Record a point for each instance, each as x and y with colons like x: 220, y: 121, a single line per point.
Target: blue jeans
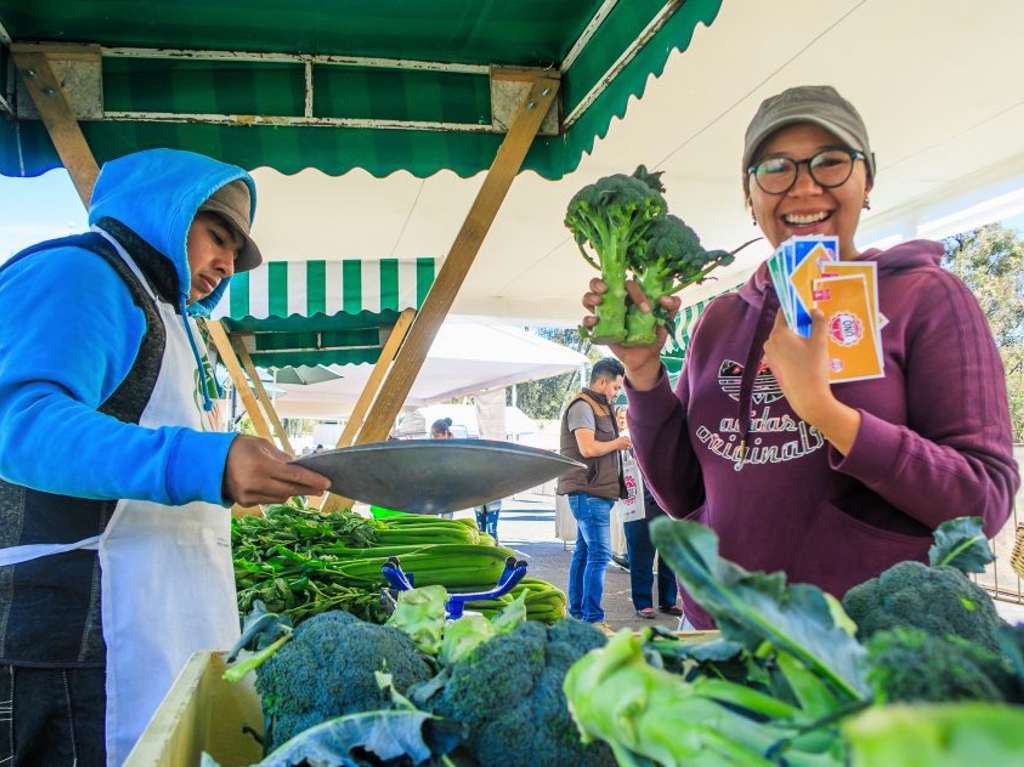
x: 487, y: 519
x: 641, y: 568
x: 591, y: 556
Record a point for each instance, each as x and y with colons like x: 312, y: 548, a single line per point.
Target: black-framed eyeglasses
x: 829, y: 168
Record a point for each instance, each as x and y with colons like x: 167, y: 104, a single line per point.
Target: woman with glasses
x: 837, y: 482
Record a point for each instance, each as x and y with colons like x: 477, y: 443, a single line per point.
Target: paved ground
x: 527, y: 524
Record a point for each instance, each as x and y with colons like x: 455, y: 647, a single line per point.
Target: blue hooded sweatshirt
x: 70, y: 335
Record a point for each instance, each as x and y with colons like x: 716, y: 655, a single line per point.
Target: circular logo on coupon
x: 845, y: 328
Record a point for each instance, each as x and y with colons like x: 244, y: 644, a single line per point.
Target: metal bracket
x: 508, y: 89
x: 79, y: 70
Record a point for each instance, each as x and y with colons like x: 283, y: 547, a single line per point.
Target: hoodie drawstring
x: 769, y: 308
x: 207, y: 402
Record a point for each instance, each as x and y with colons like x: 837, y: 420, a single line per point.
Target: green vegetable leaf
x: 463, y: 636
x: 420, y: 613
x: 943, y: 735
x: 512, y: 615
x: 753, y: 608
x: 961, y: 543
x: 386, y: 735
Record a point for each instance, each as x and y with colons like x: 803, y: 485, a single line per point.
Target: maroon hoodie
x: 934, y: 442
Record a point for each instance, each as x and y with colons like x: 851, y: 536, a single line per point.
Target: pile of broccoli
x: 933, y: 635
x: 328, y: 670
x: 509, y: 692
x: 624, y: 219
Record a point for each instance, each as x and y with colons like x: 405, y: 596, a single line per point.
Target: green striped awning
x: 322, y: 312
x: 674, y: 354
x: 339, y: 84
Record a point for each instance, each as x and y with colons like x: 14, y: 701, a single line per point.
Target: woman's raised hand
x: 642, y: 363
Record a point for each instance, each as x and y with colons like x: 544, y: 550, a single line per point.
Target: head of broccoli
x: 668, y: 258
x: 939, y: 600
x: 509, y: 692
x: 910, y: 665
x: 327, y: 670
x: 611, y: 216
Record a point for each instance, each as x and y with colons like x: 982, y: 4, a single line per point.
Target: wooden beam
x: 261, y: 394
x: 220, y: 340
x: 392, y: 345
x: 460, y: 258
x: 51, y: 101
x: 387, y: 355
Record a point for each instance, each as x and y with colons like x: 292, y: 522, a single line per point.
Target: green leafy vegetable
x: 612, y: 216
x: 754, y: 608
x: 345, y: 741
x: 961, y: 543
x: 420, y: 613
x: 946, y: 735
x: 650, y: 716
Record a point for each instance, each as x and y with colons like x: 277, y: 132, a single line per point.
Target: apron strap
x: 15, y: 555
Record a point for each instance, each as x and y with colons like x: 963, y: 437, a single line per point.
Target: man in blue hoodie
x: 115, y: 557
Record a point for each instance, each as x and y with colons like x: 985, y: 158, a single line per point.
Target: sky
x: 41, y: 208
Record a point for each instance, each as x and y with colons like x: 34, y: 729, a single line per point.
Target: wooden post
x: 387, y: 355
x: 219, y: 337
x: 460, y: 258
x: 59, y: 119
x: 261, y: 395
x: 391, y: 348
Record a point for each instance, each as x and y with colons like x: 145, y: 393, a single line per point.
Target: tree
x: 544, y: 399
x: 990, y: 261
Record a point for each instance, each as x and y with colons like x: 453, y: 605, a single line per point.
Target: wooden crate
x: 202, y: 712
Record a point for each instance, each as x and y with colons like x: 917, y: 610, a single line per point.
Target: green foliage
x: 961, y: 543
x: 650, y: 716
x: 420, y: 613
x: 939, y: 600
x: 948, y: 735
x: 990, y: 261
x: 757, y: 608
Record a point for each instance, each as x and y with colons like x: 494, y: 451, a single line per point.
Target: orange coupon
x: 870, y: 271
x: 854, y: 352
x: 818, y: 261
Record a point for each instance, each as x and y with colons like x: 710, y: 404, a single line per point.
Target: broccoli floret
x: 910, y: 665
x: 327, y: 670
x: 612, y: 216
x: 509, y: 691
x: 939, y: 600
x: 667, y: 259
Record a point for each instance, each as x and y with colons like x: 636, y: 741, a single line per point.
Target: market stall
x: 292, y: 91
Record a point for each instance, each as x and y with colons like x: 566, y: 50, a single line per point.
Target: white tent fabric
x: 466, y: 358
x: 937, y: 82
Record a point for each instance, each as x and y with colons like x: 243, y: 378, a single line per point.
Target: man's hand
x: 257, y: 472
x: 624, y: 442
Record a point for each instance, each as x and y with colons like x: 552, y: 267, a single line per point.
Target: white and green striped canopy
x: 322, y: 312
x: 308, y: 288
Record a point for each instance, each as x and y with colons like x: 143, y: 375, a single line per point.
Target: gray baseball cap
x: 234, y: 203
x: 818, y: 104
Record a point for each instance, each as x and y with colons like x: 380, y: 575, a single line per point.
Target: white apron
x: 168, y: 585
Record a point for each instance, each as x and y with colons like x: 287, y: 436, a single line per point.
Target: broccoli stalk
x: 667, y: 259
x: 612, y: 215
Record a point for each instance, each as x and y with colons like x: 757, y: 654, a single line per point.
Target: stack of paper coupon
x: 808, y: 274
